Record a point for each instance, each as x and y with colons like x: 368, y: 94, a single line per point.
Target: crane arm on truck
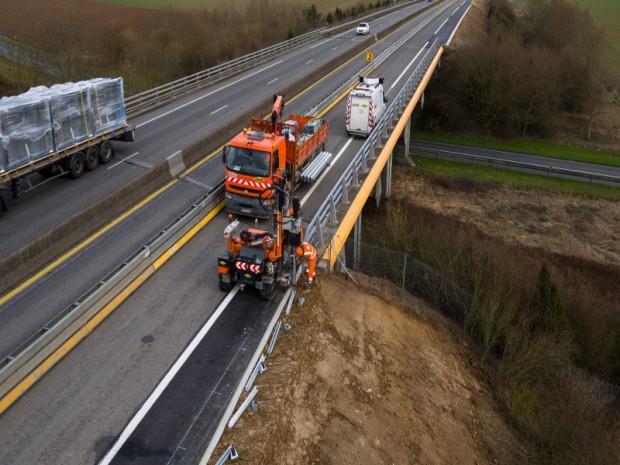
x: 276, y: 112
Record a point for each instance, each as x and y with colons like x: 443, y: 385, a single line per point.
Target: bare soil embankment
x: 360, y: 380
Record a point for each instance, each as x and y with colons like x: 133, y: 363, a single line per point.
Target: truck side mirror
x: 276, y: 160
x: 224, y: 154
x: 385, y: 99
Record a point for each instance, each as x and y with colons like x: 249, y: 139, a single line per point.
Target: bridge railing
x: 322, y: 226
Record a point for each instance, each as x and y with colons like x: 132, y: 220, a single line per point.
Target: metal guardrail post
x: 233, y: 420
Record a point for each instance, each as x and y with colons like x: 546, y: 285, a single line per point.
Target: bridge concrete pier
x: 357, y: 243
x: 383, y: 186
x: 401, y: 149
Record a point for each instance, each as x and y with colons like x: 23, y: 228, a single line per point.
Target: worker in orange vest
x: 309, y: 252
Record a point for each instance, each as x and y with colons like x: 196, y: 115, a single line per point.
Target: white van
x: 365, y: 106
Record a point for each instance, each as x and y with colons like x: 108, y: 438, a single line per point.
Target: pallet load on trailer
x: 64, y: 129
x: 365, y: 106
x: 272, y: 152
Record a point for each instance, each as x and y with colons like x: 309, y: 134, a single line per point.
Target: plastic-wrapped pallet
x: 106, y: 96
x: 3, y: 142
x: 313, y: 126
x: 25, y: 120
x: 72, y: 115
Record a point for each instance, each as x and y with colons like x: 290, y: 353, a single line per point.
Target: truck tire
x: 268, y: 292
x: 76, y: 165
x: 225, y: 287
x: 106, y: 152
x: 92, y: 158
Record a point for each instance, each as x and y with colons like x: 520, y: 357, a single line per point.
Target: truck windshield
x: 248, y: 161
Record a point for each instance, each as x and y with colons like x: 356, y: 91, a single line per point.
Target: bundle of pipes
x: 314, y: 169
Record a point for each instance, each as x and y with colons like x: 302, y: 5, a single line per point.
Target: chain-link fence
x: 409, y: 274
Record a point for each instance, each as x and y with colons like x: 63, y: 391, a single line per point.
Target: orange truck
x: 270, y: 152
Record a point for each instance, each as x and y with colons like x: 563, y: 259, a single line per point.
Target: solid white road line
x: 408, y: 66
x: 321, y: 43
x: 206, y: 402
x: 219, y: 109
x: 237, y: 394
x: 122, y: 160
x: 343, y: 33
x: 457, y: 25
x: 135, y: 421
x: 333, y: 162
x: 209, y: 94
x: 441, y: 25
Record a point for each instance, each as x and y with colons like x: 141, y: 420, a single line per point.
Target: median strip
x: 23, y: 369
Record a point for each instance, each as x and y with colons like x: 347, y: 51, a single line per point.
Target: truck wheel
x: 268, y: 292
x: 106, y: 152
x: 92, y: 158
x: 225, y: 287
x: 76, y: 165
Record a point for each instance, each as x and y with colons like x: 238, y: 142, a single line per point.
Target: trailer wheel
x: 76, y: 165
x: 92, y: 158
x: 106, y: 152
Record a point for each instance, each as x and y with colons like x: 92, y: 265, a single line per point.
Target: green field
x: 531, y: 181
x: 532, y: 147
x: 322, y: 5
x: 607, y: 14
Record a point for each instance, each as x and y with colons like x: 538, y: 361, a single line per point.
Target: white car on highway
x: 363, y: 28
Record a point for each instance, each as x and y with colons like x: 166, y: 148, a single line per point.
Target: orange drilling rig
x: 262, y: 259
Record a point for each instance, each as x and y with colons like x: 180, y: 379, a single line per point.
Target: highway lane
x: 32, y: 309
x: 522, y: 157
x: 171, y: 128
x: 75, y: 411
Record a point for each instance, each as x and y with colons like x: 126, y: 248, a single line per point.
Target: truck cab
x: 365, y: 106
x: 270, y: 152
x: 252, y: 158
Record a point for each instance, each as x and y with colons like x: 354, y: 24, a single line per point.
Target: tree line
x: 152, y: 47
x: 526, y: 72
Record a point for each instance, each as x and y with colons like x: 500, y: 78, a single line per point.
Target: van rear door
x: 359, y: 114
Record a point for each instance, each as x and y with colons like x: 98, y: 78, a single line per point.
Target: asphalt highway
x: 177, y: 125
x: 74, y: 414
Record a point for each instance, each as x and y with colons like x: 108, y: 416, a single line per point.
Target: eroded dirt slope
x: 360, y: 380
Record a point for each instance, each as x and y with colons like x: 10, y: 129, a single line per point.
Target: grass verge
x: 532, y: 147
x: 495, y: 175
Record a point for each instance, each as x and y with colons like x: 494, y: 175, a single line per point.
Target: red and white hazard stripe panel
x: 243, y: 266
x: 245, y: 183
x: 371, y: 115
x: 347, y: 118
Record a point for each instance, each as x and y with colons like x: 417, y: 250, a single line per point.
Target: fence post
x: 404, y: 272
